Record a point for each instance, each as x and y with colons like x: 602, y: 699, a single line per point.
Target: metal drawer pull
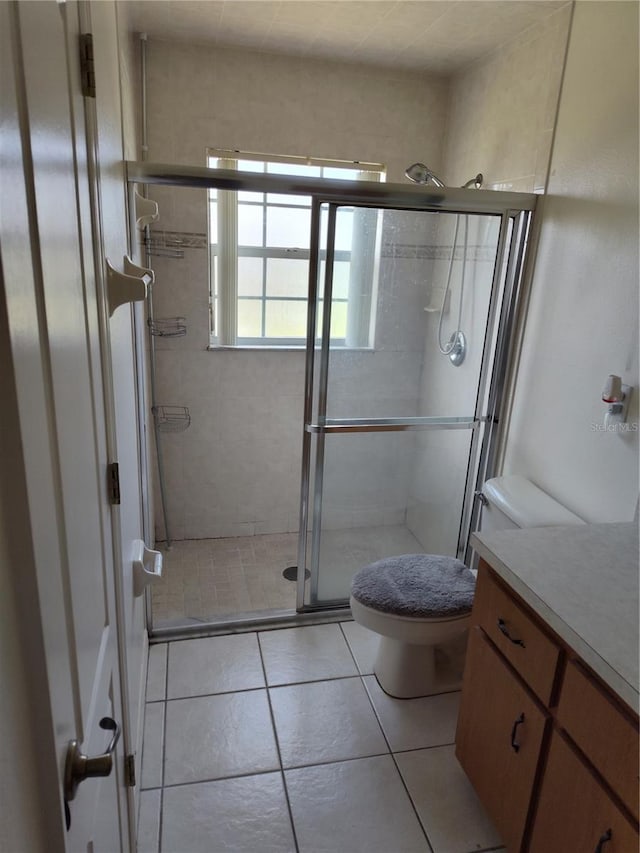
x: 514, y: 744
x: 606, y: 837
x: 502, y: 625
x: 79, y: 767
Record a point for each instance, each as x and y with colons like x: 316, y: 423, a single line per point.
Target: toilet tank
x: 513, y: 501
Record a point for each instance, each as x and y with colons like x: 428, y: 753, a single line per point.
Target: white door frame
x: 111, y: 238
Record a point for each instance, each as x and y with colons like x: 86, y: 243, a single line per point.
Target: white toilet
x: 406, y: 662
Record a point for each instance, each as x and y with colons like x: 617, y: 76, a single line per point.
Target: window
x: 259, y: 247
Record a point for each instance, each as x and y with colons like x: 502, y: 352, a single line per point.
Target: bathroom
x: 289, y: 721
x: 232, y: 478
x: 253, y: 734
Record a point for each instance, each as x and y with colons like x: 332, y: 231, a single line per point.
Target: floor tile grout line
x: 272, y: 770
x: 211, y: 779
x: 296, y: 767
x: 423, y: 748
x: 253, y: 689
x: 351, y: 652
x: 336, y: 761
x: 415, y: 809
x: 284, y: 684
x: 314, y: 681
x: 164, y: 747
x: 277, y: 740
x: 398, y: 771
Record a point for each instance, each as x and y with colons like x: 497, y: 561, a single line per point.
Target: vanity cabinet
x: 550, y: 751
x: 575, y: 812
x: 500, y: 731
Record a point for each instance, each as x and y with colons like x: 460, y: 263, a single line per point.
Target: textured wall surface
x: 583, y: 315
x: 503, y: 109
x: 236, y: 470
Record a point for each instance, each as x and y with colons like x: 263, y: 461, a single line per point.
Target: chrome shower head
x: 421, y: 174
x: 474, y: 183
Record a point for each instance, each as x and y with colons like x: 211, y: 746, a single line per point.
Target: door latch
x: 79, y: 767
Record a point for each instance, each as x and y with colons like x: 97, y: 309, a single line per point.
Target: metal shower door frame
x: 515, y: 210
x: 503, y: 303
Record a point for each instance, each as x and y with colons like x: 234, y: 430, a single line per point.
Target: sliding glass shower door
x: 404, y: 357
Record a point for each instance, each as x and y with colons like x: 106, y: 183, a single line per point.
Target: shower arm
x: 421, y: 174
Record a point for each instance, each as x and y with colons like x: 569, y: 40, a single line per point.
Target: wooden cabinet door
x: 574, y: 812
x: 605, y: 735
x: 518, y: 636
x: 500, y: 730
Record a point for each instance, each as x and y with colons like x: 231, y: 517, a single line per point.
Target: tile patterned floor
x: 205, y: 579
x: 282, y: 742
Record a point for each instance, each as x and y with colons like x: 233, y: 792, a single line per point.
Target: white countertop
x: 583, y: 582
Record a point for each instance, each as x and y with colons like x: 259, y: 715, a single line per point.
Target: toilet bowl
x: 406, y: 663
x: 415, y: 602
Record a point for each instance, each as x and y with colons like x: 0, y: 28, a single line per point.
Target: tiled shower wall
x: 501, y: 117
x: 236, y: 470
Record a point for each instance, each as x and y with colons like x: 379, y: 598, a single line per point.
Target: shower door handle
x: 79, y: 766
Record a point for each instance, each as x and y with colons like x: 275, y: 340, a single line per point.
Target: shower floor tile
x: 208, y: 579
x: 205, y: 579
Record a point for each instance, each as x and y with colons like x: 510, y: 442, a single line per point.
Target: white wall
x: 231, y: 98
x: 503, y: 107
x: 583, y: 316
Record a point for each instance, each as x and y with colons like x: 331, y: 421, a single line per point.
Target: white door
x: 110, y: 239
x: 53, y: 314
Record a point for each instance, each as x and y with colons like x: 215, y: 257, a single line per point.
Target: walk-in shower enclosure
x: 394, y: 438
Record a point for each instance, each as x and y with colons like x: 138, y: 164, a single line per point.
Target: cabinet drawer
x: 603, y: 733
x: 520, y: 639
x: 574, y: 812
x: 498, y: 740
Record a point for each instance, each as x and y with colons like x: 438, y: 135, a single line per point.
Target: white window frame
x: 227, y: 252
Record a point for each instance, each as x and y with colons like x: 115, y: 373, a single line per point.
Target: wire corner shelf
x: 168, y: 327
x: 172, y: 418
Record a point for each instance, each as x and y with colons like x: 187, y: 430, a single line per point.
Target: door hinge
x: 130, y: 771
x: 113, y: 483
x: 87, y: 67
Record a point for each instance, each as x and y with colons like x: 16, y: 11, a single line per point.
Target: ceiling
x: 440, y: 36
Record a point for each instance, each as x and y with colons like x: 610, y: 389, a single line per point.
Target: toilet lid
x: 420, y: 585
